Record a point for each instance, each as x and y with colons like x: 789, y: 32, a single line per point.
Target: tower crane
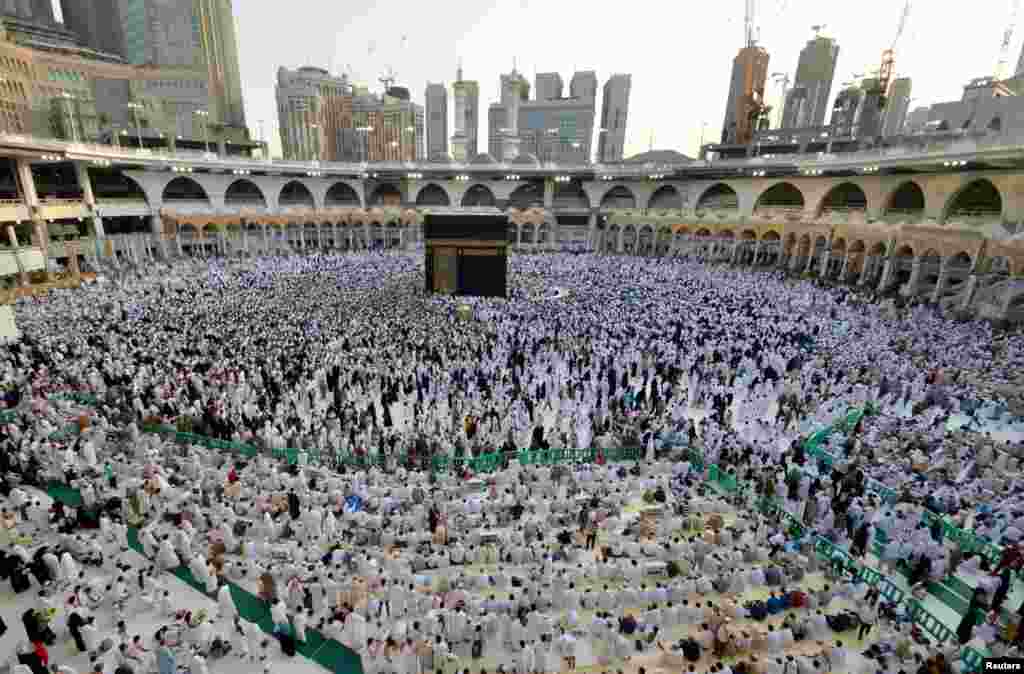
x: 751, y: 108
x: 1004, y: 46
x: 885, y: 71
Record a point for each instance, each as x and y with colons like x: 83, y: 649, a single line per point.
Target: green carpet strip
x: 327, y: 653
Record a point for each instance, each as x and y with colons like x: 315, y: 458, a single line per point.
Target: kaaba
x: 466, y: 253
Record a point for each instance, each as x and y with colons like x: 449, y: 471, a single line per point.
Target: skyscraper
x: 503, y: 117
x: 38, y: 11
x: 614, y: 108
x: 466, y: 100
x: 436, y: 99
x: 896, y: 108
x: 396, y: 126
x: 97, y: 23
x: 584, y: 85
x: 749, y: 72
x: 549, y: 86
x: 195, y: 34
x: 806, y: 103
x: 314, y: 111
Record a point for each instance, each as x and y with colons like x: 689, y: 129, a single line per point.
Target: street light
x: 205, y: 114
x: 135, y: 107
x: 71, y: 114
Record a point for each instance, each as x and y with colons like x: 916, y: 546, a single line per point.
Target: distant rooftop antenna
x: 817, y: 29
x: 458, y: 71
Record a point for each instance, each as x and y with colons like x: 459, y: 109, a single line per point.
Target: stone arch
x: 385, y: 194
x: 432, y: 194
x: 295, y: 193
x: 478, y: 195
x: 244, y: 192
x: 112, y: 184
x: 904, y: 250
x: 527, y: 195
x: 855, y: 258
x: 961, y: 259
x: 780, y: 195
x: 789, y: 244
x: 666, y: 196
x: 903, y: 263
x: 908, y: 197
x: 618, y: 196
x: 844, y: 197
x: 717, y: 197
x: 183, y: 188
x: 341, y: 194
x: 570, y: 195
x: 803, y: 246
x: 977, y: 198
x: 930, y: 262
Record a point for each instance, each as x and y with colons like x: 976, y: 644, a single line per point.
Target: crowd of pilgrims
x: 346, y: 353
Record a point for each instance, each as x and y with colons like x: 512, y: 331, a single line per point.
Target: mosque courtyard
x: 624, y: 458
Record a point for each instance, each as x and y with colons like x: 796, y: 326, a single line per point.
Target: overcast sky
x: 679, y: 53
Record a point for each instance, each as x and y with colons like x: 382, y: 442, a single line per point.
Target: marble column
x: 12, y: 238
x: 887, y: 271
x: 943, y: 281
x: 910, y: 289
x: 867, y: 269
x: 969, y: 292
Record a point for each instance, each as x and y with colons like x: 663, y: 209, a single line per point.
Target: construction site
x: 870, y: 110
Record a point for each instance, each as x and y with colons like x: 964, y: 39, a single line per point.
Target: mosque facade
x: 941, y: 224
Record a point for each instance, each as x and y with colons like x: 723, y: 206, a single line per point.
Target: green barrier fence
x: 971, y: 658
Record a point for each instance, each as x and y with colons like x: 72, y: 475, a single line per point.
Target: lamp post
x: 135, y: 107
x: 71, y: 114
x: 205, y: 114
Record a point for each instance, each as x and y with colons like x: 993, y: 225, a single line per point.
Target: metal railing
x: 955, y: 146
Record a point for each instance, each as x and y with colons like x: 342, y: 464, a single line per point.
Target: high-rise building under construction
x: 807, y: 102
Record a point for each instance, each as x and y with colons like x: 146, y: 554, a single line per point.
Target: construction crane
x: 1004, y: 46
x: 750, y: 107
x: 749, y: 31
x: 880, y: 89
